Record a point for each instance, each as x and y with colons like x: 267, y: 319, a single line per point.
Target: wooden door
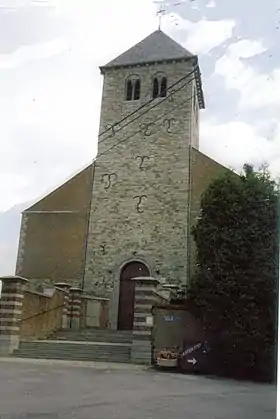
x: 126, y: 298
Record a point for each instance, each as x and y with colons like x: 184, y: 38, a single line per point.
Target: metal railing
x: 42, y: 312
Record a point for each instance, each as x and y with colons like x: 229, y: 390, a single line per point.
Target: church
x: 130, y: 212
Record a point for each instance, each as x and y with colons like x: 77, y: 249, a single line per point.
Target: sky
x: 51, y: 86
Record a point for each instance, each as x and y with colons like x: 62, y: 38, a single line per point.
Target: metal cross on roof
x: 160, y: 13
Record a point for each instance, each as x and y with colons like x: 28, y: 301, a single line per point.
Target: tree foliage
x: 236, y: 284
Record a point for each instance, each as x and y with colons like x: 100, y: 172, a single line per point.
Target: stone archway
x: 126, y: 295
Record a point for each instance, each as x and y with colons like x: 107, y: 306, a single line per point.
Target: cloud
x: 48, y: 132
x: 246, y: 48
x: 237, y: 142
x: 257, y: 90
x: 100, y: 41
x: 204, y: 35
x: 27, y: 53
x: 11, y: 187
x: 27, y: 25
x: 212, y: 4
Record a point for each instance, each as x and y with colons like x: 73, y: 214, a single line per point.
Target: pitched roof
x: 154, y: 48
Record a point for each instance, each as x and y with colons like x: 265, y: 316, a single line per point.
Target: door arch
x: 126, y: 296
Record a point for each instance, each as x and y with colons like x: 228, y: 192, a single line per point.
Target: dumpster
x: 178, y: 340
x: 195, y: 357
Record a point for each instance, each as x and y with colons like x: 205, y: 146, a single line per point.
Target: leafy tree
x: 236, y: 284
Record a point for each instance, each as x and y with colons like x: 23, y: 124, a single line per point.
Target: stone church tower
x: 138, y: 224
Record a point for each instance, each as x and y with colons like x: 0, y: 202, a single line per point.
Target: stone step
x: 93, y: 339
x: 74, y: 346
x: 74, y: 357
x: 96, y: 330
x: 73, y: 351
x: 93, y: 335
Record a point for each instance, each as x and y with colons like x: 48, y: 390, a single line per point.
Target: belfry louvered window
x: 159, y: 86
x: 133, y: 88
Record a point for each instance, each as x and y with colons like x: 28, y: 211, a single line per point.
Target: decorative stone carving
x: 168, y: 123
x: 107, y: 179
x: 139, y: 203
x: 142, y: 160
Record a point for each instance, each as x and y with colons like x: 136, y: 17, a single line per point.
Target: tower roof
x: 154, y: 48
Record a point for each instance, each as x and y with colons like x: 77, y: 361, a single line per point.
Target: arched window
x: 163, y: 87
x: 133, y: 88
x: 137, y: 89
x: 129, y: 90
x: 155, y: 88
x: 159, y: 85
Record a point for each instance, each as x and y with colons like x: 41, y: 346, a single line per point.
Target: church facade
x: 130, y: 213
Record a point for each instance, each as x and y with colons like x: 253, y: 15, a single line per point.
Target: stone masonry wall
x: 140, y: 212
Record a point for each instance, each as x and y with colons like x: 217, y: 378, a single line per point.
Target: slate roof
x: 154, y: 48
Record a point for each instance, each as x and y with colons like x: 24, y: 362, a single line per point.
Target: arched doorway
x: 126, y: 296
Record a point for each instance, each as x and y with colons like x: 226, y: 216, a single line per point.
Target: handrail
x: 42, y: 312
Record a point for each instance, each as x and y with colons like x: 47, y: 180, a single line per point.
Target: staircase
x: 80, y: 345
x: 91, y: 334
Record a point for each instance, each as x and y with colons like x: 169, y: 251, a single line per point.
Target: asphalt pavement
x: 57, y: 389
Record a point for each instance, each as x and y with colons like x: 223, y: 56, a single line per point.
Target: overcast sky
x: 50, y: 86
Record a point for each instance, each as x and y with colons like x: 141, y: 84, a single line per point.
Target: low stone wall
x: 41, y: 314
x: 27, y: 314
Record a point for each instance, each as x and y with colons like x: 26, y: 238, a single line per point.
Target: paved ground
x: 53, y: 389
